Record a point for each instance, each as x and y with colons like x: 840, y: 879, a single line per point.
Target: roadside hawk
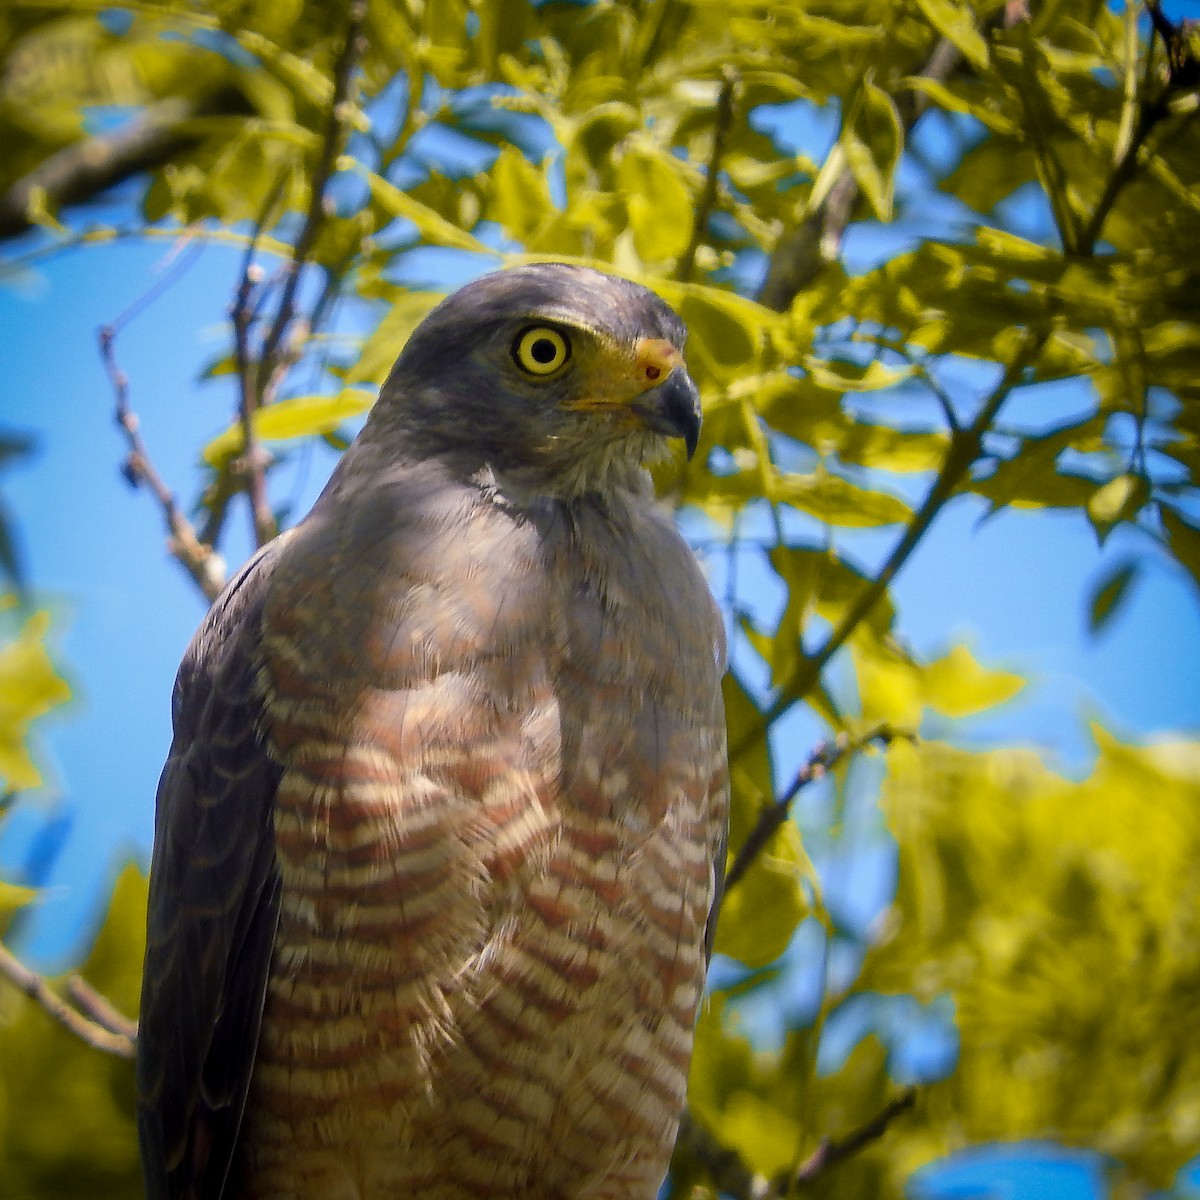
x: 440, y: 830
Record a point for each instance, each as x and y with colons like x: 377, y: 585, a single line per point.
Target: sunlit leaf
x: 30, y: 687
x: 12, y: 898
x: 659, y: 204
x: 958, y: 685
x: 298, y: 416
x: 433, y: 227
x: 872, y: 140
x: 955, y: 21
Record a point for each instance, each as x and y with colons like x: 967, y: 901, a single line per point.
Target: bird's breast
x: 495, y: 832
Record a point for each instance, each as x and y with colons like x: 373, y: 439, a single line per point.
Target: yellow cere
x: 612, y: 380
x: 541, y: 350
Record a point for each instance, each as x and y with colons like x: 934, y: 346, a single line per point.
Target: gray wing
x: 214, y: 905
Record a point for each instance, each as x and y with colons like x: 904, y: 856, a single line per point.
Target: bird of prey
x: 441, y: 826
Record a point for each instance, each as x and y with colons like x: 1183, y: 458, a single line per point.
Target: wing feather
x: 214, y: 905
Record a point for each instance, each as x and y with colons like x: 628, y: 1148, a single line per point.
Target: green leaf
x: 1003, y: 864
x: 520, y: 199
x: 764, y: 1135
x: 759, y: 915
x: 13, y: 897
x: 957, y: 685
x: 955, y: 21
x: 884, y: 449
x: 381, y: 349
x: 54, y: 1080
x: 872, y: 140
x: 975, y: 101
x: 1184, y: 540
x: 726, y: 331
x: 1117, y: 500
x: 30, y: 687
x: 299, y: 416
x: 842, y: 376
x: 431, y: 226
x: 838, y: 502
x: 1109, y: 595
x: 658, y: 203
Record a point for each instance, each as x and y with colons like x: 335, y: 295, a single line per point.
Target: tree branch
x: 100, y: 1009
x: 83, y: 170
x: 199, y: 560
x: 96, y: 1034
x: 836, y: 1150
x: 801, y: 252
x: 708, y: 196
x: 823, y: 759
x: 1182, y: 72
x: 965, y: 446
x: 725, y: 1168
x: 732, y: 1177
x: 252, y: 462
x: 343, y: 73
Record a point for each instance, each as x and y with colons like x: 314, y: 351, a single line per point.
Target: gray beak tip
x: 673, y: 409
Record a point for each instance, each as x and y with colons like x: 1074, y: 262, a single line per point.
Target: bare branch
x: 94, y: 1033
x: 198, y: 559
x: 801, y: 252
x: 252, y: 463
x: 823, y: 759
x: 100, y: 1009
x: 836, y: 1150
x: 343, y: 74
x: 708, y: 197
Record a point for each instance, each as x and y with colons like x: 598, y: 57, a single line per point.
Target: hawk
x: 441, y: 827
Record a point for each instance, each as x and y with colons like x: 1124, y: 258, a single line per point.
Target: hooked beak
x: 672, y: 408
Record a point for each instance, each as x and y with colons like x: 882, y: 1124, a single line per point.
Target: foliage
x: 66, y: 1110
x: 1058, y: 920
x: 30, y: 687
x: 1006, y: 201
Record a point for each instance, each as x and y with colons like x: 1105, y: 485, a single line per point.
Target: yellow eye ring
x: 541, y: 350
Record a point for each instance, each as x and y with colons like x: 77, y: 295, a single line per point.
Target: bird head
x: 561, y: 377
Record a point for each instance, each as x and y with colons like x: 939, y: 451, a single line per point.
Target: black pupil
x: 543, y: 351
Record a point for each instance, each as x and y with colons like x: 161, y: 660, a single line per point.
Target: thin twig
x: 100, y: 1009
x: 343, y: 73
x: 712, y: 177
x: 836, y: 1150
x: 252, y: 462
x: 201, y: 563
x: 1149, y: 115
x: 37, y: 989
x: 732, y: 1177
x: 823, y: 759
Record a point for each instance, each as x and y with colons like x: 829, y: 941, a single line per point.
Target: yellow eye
x: 541, y: 350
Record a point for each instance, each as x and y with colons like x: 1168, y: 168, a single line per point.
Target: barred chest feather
x: 502, y: 796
